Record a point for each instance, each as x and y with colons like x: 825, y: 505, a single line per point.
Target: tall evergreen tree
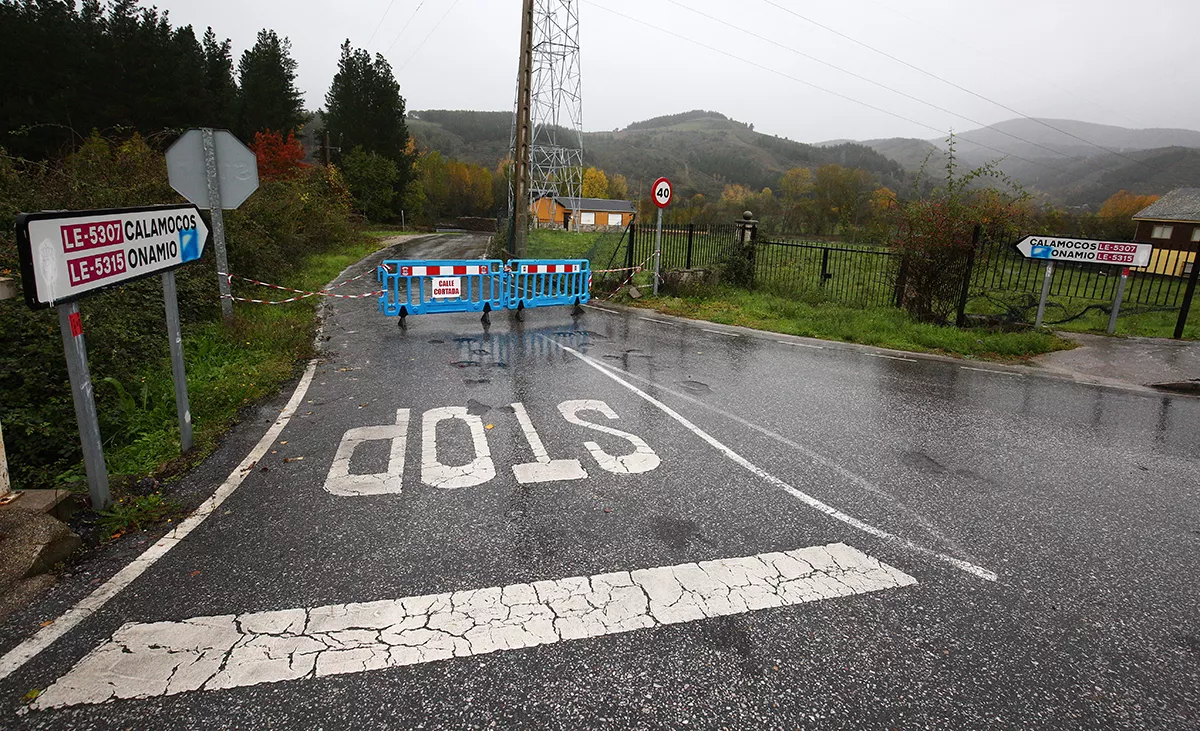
x: 364, y: 108
x: 221, y: 93
x: 269, y: 98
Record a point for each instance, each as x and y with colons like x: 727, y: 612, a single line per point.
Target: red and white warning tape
x: 628, y: 279
x: 304, y: 294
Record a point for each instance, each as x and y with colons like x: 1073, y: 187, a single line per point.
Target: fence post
x: 961, y: 320
x: 824, y: 266
x: 629, y: 248
x: 747, y: 236
x: 691, y: 228
x: 1188, y: 294
x: 901, y: 281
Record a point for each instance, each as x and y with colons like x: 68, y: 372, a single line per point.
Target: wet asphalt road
x: 1082, y: 501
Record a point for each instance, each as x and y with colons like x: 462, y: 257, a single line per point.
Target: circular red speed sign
x: 662, y: 192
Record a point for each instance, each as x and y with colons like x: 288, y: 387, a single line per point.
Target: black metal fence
x: 1000, y: 269
x: 867, y: 275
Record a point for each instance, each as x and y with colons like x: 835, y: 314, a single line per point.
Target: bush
x: 372, y: 179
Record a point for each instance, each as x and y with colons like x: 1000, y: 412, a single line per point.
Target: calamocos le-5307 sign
x: 67, y: 254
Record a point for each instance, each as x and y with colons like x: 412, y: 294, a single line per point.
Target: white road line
x: 988, y: 370
x: 42, y: 639
x: 660, y: 322
x: 800, y: 345
x: 603, y: 309
x: 231, y: 651
x: 890, y: 357
x: 804, y: 497
x: 542, y: 469
x: 815, y: 456
x: 721, y: 332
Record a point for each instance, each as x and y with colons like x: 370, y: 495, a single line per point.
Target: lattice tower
x: 556, y: 106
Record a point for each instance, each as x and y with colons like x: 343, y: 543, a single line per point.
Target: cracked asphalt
x: 626, y: 520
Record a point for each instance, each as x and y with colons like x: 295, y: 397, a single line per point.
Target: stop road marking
x: 480, y: 468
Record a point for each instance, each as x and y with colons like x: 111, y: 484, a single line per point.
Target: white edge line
x: 89, y: 605
x: 721, y: 332
x: 832, y: 512
x: 660, y: 322
x: 800, y: 345
x: 603, y: 309
x: 987, y: 370
x: 890, y: 357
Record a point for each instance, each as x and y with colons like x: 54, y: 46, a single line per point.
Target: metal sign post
x: 661, y: 194
x: 178, y: 372
x: 1041, y: 313
x: 71, y: 325
x: 213, y: 184
x: 1112, y: 319
x: 214, y: 170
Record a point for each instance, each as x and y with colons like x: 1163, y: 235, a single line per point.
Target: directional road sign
x: 662, y: 192
x: 1085, y: 250
x: 67, y: 254
x: 237, y: 168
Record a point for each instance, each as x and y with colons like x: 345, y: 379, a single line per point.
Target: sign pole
x: 1041, y: 313
x: 1112, y: 319
x: 212, y: 177
x: 85, y: 404
x: 178, y: 371
x: 657, y: 250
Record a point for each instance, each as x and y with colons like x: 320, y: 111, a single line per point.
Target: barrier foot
x: 486, y: 319
x: 403, y: 322
x: 577, y: 310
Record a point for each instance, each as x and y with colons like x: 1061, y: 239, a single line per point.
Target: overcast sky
x: 1132, y: 64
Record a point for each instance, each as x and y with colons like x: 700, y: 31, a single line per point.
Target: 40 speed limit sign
x: 662, y: 192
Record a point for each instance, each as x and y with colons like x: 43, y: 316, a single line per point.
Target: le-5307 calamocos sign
x: 67, y: 254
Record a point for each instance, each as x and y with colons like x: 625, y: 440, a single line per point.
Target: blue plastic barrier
x: 418, y: 287
x: 544, y: 282
x: 410, y: 286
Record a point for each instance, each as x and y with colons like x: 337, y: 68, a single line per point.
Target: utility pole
x: 523, y: 133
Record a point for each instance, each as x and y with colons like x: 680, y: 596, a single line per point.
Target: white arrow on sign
x: 1088, y: 251
x: 69, y: 254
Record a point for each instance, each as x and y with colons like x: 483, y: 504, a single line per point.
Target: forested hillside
x: 702, y: 152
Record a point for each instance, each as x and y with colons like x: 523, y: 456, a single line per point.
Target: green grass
x: 596, y: 246
x: 881, y: 326
x: 228, y: 368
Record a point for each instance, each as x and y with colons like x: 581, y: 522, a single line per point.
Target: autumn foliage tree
x: 278, y: 157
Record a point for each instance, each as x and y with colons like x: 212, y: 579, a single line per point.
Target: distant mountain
x: 1058, y: 138
x: 1058, y: 168
x: 701, y: 151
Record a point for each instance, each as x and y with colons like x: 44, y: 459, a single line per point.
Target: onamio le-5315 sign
x: 67, y: 254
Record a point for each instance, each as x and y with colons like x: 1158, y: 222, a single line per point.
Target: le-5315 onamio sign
x: 1087, y: 251
x: 66, y: 254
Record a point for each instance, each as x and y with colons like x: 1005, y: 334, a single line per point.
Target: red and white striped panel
x: 442, y: 271
x: 549, y: 268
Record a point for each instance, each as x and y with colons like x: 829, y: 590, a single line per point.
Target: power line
x: 869, y: 80
x: 380, y: 23
x: 798, y: 80
x: 944, y: 33
x: 405, y: 26
x: 427, y: 36
x: 932, y: 75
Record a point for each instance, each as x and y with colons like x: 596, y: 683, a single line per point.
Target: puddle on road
x: 477, y: 408
x: 480, y: 351
x: 435, y: 341
x: 585, y: 333
x: 476, y: 381
x: 695, y: 387
x: 478, y: 364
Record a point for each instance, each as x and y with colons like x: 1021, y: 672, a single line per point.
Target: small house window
x: 1196, y: 234
x: 1162, y: 232
x: 614, y: 219
x: 587, y: 218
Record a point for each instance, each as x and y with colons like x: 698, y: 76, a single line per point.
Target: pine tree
x: 269, y: 98
x: 364, y: 108
x: 221, y: 93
